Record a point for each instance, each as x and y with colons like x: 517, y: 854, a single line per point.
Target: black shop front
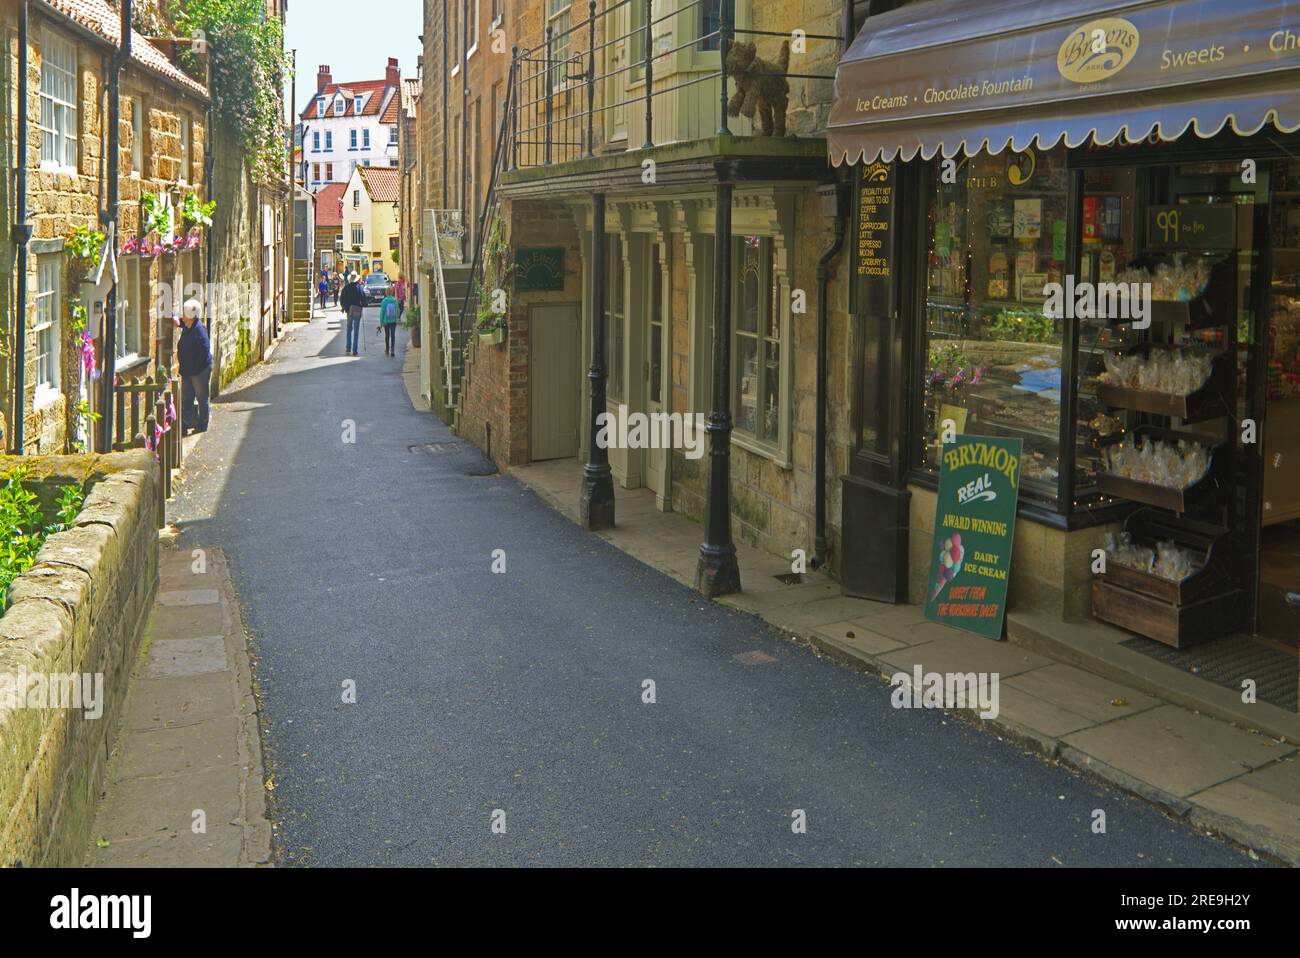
x: 1002, y: 152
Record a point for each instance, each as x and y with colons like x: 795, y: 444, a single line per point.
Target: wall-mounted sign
x: 1192, y: 226
x: 539, y: 269
x: 875, y: 219
x: 974, y: 525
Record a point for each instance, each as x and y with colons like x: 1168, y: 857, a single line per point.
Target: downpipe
x: 824, y: 273
x: 22, y: 233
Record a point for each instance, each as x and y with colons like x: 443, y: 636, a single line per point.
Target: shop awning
x: 964, y: 75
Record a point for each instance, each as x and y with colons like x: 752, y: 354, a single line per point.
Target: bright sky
x: 355, y: 38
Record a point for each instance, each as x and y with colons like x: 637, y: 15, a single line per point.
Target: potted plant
x: 491, y: 329
x: 411, y: 320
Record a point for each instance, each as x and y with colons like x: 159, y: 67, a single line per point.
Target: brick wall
x: 80, y: 609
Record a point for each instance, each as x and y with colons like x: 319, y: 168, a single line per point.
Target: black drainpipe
x: 22, y: 231
x: 107, y: 395
x: 820, y: 547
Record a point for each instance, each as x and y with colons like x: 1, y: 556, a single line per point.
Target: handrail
x: 440, y: 294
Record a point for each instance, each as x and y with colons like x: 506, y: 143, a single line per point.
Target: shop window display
x: 997, y: 229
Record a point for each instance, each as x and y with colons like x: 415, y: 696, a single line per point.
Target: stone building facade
x: 163, y: 143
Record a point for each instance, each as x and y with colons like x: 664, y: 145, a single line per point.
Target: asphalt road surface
x: 516, y: 699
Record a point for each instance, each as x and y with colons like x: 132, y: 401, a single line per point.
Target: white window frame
x: 315, y: 141
x: 352, y: 140
x: 321, y: 107
x: 137, y: 137
x: 558, y: 15
x: 473, y: 30
x: 340, y: 106
x: 58, y: 98
x: 128, y: 310
x: 358, y: 235
x: 365, y: 138
x: 47, y: 331
x: 356, y: 199
x: 776, y: 291
x: 392, y: 136
x: 329, y: 141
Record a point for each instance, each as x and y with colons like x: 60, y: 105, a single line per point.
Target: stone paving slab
x: 1082, y: 693
x: 190, y: 739
x: 966, y: 653
x: 1270, y: 805
x: 1176, y: 750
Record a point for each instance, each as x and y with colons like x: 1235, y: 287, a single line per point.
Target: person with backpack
x: 353, y: 301
x: 389, y: 313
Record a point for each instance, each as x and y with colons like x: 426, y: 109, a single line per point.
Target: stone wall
x: 80, y: 610
x: 235, y: 257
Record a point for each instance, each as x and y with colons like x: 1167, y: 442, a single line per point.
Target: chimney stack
x: 393, y: 76
x: 323, y: 77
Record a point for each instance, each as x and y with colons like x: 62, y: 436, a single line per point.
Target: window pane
x: 745, y: 400
x: 996, y: 237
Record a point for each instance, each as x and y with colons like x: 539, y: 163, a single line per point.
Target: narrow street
x: 371, y: 563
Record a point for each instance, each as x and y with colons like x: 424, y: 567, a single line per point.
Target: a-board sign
x: 974, y: 526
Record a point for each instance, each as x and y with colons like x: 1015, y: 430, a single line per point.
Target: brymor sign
x: 974, y: 524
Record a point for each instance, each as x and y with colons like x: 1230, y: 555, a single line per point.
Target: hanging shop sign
x: 875, y: 219
x: 539, y: 269
x: 974, y: 525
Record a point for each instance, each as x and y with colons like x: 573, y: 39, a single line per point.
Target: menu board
x: 974, y: 525
x: 1192, y: 226
x: 875, y: 220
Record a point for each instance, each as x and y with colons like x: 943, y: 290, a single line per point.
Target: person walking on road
x: 399, y: 289
x: 195, y: 356
x: 389, y: 312
x: 323, y: 288
x: 353, y: 299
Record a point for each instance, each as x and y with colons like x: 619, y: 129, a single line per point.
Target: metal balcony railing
x: 560, y: 94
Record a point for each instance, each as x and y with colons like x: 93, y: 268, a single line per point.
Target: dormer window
x: 359, y: 104
x: 320, y: 108
x: 340, y: 106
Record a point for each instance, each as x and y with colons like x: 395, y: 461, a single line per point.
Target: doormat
x: 1228, y: 661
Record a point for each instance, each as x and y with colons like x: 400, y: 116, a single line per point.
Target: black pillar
x: 596, y: 505
x: 717, y: 572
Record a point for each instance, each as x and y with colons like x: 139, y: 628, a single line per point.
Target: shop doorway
x: 554, y: 381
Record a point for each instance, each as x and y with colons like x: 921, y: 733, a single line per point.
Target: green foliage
x: 83, y: 248
x: 1023, y: 326
x: 397, y: 257
x: 496, y: 275
x: 411, y: 318
x: 195, y: 213
x: 153, y: 214
x: 23, y: 526
x: 249, y: 68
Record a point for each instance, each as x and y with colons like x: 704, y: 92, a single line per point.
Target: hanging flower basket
x: 152, y: 245
x: 492, y: 337
x: 194, y: 238
x: 130, y: 247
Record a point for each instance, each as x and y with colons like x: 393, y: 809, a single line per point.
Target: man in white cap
x: 353, y: 302
x: 194, y: 353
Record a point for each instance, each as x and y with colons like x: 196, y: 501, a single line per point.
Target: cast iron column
x: 717, y: 572
x: 596, y: 504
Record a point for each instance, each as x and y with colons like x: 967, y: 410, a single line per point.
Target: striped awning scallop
x: 952, y: 76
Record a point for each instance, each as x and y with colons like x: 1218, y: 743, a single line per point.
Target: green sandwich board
x: 974, y: 525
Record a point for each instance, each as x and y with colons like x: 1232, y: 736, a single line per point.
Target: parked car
x: 377, y: 287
